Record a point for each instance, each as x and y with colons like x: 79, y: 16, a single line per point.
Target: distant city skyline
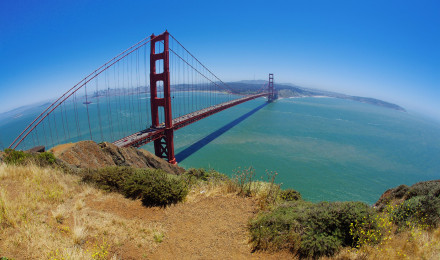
x: 380, y: 49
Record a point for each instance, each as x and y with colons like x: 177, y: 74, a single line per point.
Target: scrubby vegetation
x: 418, y: 204
x: 23, y: 158
x: 308, y: 229
x: 154, y: 187
x: 353, y: 229
x: 290, y: 195
x: 403, y: 224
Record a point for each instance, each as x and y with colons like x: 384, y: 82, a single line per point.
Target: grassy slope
x: 45, y: 213
x: 48, y: 214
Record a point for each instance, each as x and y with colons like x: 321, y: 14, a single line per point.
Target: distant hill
x: 290, y: 90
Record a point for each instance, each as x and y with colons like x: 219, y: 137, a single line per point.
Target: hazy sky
x: 383, y: 49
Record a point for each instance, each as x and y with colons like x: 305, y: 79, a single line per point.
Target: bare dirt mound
x: 88, y: 154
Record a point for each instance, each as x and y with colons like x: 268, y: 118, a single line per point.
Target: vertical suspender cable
x: 87, y: 109
x: 67, y: 119
x: 62, y: 120
x: 99, y: 109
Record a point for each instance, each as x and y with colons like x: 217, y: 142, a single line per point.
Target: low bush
x: 422, y: 211
x: 153, y: 187
x: 198, y: 176
x: 108, y: 178
x: 424, y: 188
x: 156, y: 188
x: 45, y: 158
x: 15, y: 157
x: 290, y: 195
x: 23, y: 158
x: 308, y: 229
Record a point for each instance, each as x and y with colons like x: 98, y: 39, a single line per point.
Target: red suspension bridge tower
x: 164, y: 146
x: 272, y: 94
x: 113, y: 101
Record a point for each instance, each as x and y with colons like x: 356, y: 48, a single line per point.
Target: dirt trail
x: 205, y: 227
x: 210, y: 228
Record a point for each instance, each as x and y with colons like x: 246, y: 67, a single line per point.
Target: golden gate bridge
x: 115, y: 102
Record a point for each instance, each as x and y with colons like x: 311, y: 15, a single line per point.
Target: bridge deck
x: 150, y: 134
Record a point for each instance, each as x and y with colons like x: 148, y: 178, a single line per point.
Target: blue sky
x: 383, y: 49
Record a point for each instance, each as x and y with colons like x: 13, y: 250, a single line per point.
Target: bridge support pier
x: 164, y: 146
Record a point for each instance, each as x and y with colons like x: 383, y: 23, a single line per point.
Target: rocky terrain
x: 88, y: 154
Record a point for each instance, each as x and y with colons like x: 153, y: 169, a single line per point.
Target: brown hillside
x: 88, y: 154
x: 47, y: 214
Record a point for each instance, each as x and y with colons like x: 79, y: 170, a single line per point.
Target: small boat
x: 87, y: 102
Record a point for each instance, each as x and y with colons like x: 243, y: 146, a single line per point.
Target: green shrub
x: 423, y: 188
x: 314, y: 245
x: 134, y: 184
x: 15, y: 157
x: 45, y: 159
x: 423, y: 211
x: 109, y: 178
x: 23, y: 158
x: 199, y: 174
x: 290, y: 195
x: 157, y: 188
x: 308, y: 229
x: 153, y: 187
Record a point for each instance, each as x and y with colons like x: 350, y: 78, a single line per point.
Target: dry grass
x: 263, y: 192
x: 414, y: 241
x: 60, y: 214
x: 44, y: 214
x: 80, y: 204
x: 211, y: 188
x: 412, y: 244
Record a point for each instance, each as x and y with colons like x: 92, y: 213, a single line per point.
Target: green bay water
x: 328, y: 149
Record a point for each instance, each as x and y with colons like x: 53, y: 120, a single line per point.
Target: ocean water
x: 328, y: 149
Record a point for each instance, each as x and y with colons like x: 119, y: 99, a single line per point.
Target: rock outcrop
x: 88, y: 154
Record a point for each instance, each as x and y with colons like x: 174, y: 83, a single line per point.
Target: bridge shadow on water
x: 182, y: 155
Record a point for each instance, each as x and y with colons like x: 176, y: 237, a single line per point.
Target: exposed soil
x: 57, y: 150
x: 205, y: 228
x: 211, y: 228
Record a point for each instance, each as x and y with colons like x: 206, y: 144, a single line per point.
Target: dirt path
x: 209, y: 228
x: 204, y: 227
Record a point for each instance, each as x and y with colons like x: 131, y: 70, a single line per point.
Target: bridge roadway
x: 150, y: 134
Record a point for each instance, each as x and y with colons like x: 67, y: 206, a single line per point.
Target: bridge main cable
x: 226, y: 85
x: 75, y: 88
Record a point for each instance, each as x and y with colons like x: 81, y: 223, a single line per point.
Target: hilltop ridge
x: 90, y: 155
x: 286, y: 90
